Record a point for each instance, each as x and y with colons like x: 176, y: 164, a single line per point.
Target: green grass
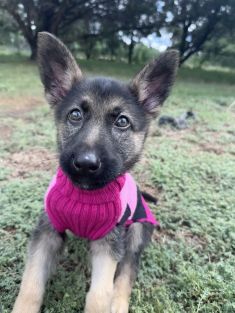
x: 190, y: 267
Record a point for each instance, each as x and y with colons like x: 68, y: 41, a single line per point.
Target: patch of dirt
x: 17, y: 106
x: 211, y: 148
x: 5, y: 132
x: 214, y: 146
x: 156, y: 131
x: 155, y: 192
x: 163, y: 236
x: 25, y: 162
x: 191, y: 239
x: 9, y: 229
x: 178, y: 134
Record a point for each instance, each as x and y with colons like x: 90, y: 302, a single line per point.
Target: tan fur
x: 138, y: 140
x: 99, y: 297
x: 41, y: 260
x: 61, y: 129
x: 124, y: 281
x: 93, y: 136
x: 109, y: 104
x: 32, y: 287
x: 136, y: 235
x: 122, y: 291
x: 140, y: 84
x: 87, y: 99
x: 114, y: 102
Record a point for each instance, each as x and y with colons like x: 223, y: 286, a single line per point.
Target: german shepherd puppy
x: 114, y: 121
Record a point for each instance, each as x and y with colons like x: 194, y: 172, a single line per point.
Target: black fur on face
x: 102, y: 104
x: 101, y: 123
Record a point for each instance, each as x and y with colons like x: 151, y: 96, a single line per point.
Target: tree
x: 194, y: 22
x: 33, y: 16
x: 7, y: 28
x: 138, y: 19
x: 110, y: 25
x: 220, y: 50
x: 111, y: 22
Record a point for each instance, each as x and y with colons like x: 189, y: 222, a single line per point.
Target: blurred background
x: 189, y: 158
x: 131, y: 31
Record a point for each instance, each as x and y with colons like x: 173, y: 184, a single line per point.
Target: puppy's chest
x: 93, y: 214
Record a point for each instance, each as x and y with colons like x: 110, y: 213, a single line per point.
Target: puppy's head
x: 101, y: 123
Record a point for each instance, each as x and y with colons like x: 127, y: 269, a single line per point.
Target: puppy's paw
x: 120, y: 304
x: 98, y: 302
x: 26, y: 306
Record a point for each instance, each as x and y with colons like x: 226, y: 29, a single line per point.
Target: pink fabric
x: 92, y: 214
x: 129, y: 188
x: 149, y: 215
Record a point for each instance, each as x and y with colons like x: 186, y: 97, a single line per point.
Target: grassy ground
x: 190, y: 266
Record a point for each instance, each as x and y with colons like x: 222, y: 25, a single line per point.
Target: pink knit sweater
x: 92, y: 214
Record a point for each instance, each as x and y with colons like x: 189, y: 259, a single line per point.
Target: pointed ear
x: 58, y: 69
x: 153, y: 83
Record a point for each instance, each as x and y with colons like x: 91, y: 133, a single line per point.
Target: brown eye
x: 122, y: 122
x: 75, y: 115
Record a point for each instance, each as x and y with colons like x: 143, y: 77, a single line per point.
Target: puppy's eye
x: 122, y: 122
x: 75, y: 115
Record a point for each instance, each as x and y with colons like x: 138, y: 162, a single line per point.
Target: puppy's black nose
x: 87, y: 162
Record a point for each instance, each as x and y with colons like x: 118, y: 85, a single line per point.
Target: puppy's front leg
x: 44, y: 249
x: 105, y: 254
x: 138, y: 236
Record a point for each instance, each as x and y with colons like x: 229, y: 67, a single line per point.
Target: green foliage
x: 219, y: 51
x: 193, y: 23
x: 143, y: 54
x: 190, y: 265
x: 106, y: 28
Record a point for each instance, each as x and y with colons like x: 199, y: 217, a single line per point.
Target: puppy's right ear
x: 153, y: 83
x: 58, y: 68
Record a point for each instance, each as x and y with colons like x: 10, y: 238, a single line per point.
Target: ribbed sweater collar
x: 108, y: 193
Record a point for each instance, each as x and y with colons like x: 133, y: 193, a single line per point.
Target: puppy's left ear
x: 153, y: 83
x: 58, y: 68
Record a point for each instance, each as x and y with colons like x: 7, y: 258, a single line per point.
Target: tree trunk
x: 131, y: 50
x: 33, y: 47
x: 89, y: 47
x: 88, y: 55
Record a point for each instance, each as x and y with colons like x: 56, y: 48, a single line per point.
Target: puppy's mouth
x: 90, y: 182
x: 89, y: 185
